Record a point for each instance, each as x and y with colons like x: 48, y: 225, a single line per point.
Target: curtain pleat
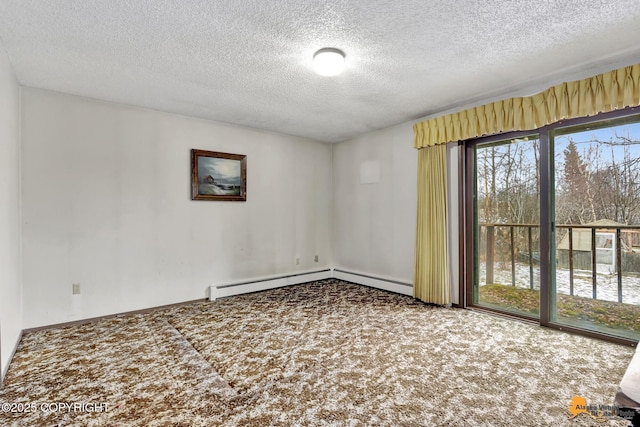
x: 432, y: 281
x: 605, y: 92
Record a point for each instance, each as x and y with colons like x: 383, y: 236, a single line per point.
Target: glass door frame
x: 468, y: 224
x: 471, y: 223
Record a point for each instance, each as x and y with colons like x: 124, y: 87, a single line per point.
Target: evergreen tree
x: 578, y: 200
x: 574, y: 170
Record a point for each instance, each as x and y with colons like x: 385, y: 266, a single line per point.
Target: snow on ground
x: 606, y: 284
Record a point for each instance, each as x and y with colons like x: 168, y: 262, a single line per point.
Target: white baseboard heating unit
x: 227, y: 290
x: 375, y: 282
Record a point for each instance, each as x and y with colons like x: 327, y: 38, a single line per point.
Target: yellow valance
x: 605, y: 92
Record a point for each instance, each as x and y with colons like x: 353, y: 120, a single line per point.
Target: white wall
x: 106, y: 204
x: 10, y: 289
x: 374, y: 223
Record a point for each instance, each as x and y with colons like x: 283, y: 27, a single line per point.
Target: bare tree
x: 596, y: 186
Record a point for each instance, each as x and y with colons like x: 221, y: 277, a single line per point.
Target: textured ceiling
x: 248, y: 62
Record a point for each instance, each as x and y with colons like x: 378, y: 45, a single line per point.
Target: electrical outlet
x: 75, y: 289
x: 297, y: 261
x: 315, y: 258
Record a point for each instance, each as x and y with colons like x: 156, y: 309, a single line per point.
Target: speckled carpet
x: 327, y: 353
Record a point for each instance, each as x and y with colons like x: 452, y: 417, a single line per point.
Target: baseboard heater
x: 375, y: 282
x: 227, y: 290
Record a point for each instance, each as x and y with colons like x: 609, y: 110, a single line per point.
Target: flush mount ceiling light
x: 328, y: 61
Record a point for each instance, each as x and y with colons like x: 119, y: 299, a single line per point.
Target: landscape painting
x: 218, y: 176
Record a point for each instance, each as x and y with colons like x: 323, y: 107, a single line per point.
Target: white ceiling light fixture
x: 328, y: 61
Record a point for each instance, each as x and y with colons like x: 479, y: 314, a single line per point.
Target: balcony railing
x: 572, y: 248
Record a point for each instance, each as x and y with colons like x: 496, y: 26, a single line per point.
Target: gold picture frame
x: 218, y: 176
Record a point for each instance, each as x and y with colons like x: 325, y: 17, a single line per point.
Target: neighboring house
x: 605, y: 246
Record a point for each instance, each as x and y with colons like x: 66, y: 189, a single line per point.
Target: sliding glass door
x: 597, y: 217
x: 553, y: 225
x: 506, y: 226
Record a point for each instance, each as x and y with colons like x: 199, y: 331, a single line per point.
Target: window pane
x: 597, y: 217
x: 507, y: 226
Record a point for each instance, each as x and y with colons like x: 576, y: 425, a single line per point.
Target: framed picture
x: 218, y: 176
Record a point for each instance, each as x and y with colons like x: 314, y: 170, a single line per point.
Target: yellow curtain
x: 605, y: 92
x: 432, y: 281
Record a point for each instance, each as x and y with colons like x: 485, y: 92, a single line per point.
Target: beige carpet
x: 327, y: 353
